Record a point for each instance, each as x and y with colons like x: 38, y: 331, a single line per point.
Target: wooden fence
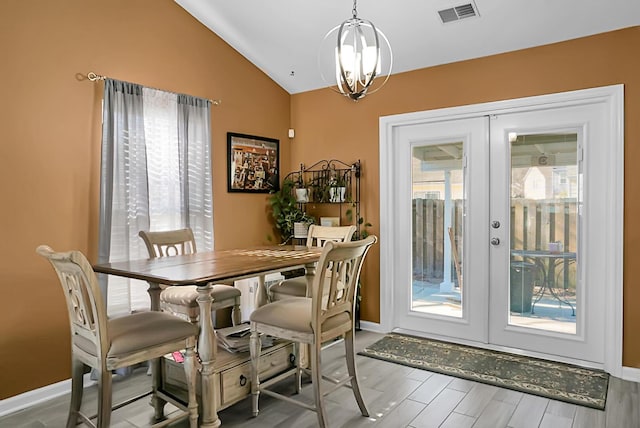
x: 534, y: 224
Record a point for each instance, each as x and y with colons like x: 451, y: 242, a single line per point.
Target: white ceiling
x: 283, y: 36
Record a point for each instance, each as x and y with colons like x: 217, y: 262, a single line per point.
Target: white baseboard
x: 631, y: 374
x: 37, y: 396
x: 371, y: 326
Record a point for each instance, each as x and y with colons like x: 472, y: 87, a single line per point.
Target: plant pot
x: 300, y: 230
x: 337, y: 194
x: 302, y: 195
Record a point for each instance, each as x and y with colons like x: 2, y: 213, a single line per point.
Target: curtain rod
x: 95, y: 77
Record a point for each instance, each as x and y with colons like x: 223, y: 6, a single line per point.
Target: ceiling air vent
x: 457, y: 13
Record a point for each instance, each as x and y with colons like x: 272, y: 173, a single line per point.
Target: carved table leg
x: 207, y: 351
x: 310, y: 271
x: 156, y: 363
x: 154, y: 291
x: 261, y: 293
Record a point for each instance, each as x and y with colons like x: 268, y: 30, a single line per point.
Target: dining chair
x: 326, y: 315
x: 317, y: 236
x: 109, y: 344
x: 181, y: 300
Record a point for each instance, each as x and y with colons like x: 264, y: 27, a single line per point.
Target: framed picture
x: 253, y: 163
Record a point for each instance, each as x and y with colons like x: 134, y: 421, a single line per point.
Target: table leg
x: 540, y: 294
x: 261, y: 298
x: 207, y: 351
x: 154, y: 291
x: 310, y: 271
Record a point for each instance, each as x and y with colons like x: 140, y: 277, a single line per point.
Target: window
x: 155, y: 175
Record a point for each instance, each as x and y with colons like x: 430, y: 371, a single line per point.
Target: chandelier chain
x: 354, y: 11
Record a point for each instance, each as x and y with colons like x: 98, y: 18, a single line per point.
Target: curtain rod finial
x: 93, y: 76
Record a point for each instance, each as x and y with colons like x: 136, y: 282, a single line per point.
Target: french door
x: 443, y: 177
x: 497, y: 233
x: 547, y: 287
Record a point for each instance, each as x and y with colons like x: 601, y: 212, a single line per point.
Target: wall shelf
x: 323, y: 182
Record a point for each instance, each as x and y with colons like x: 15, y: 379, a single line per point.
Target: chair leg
x: 316, y: 379
x: 77, y: 372
x: 235, y: 313
x: 156, y: 384
x: 351, y: 368
x: 104, y: 398
x: 190, y: 371
x: 296, y: 353
x: 254, y: 350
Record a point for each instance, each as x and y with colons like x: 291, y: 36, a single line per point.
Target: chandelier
x: 353, y: 56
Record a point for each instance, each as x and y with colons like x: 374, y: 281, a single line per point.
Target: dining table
x: 204, y: 269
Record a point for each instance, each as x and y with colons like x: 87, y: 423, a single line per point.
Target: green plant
x: 340, y: 180
x: 362, y: 225
x: 285, y: 211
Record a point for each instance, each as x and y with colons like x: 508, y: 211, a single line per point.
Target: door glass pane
x: 438, y: 202
x: 545, y: 191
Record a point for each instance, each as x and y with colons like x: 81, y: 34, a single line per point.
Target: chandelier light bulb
x: 360, y: 53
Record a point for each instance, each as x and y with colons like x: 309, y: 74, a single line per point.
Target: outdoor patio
x: 549, y: 313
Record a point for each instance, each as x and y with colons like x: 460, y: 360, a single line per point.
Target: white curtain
x: 155, y: 175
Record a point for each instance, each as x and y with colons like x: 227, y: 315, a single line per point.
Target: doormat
x: 558, y: 381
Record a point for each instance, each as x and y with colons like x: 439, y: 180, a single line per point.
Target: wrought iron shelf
x: 330, y: 182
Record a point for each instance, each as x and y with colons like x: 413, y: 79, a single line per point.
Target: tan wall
x: 50, y: 147
x: 330, y: 126
x: 50, y: 140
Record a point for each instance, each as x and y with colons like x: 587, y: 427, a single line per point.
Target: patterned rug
x: 564, y: 382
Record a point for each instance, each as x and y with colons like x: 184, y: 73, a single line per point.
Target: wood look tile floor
x: 397, y: 396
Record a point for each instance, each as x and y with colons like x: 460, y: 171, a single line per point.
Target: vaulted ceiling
x: 282, y: 37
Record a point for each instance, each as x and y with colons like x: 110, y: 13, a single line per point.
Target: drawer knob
x: 243, y: 380
x: 292, y: 358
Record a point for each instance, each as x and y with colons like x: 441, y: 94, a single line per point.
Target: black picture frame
x: 253, y: 163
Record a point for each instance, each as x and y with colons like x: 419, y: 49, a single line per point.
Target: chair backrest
x: 169, y: 243
x: 318, y: 235
x: 337, y: 277
x: 87, y: 312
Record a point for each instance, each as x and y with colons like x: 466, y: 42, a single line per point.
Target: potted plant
x: 285, y: 211
x: 301, y: 222
x: 302, y: 191
x: 337, y: 188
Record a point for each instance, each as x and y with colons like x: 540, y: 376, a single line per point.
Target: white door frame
x: 613, y: 98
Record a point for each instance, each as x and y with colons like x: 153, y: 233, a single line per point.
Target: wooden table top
x: 211, y: 266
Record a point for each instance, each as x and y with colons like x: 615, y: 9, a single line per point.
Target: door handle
x: 495, y: 241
